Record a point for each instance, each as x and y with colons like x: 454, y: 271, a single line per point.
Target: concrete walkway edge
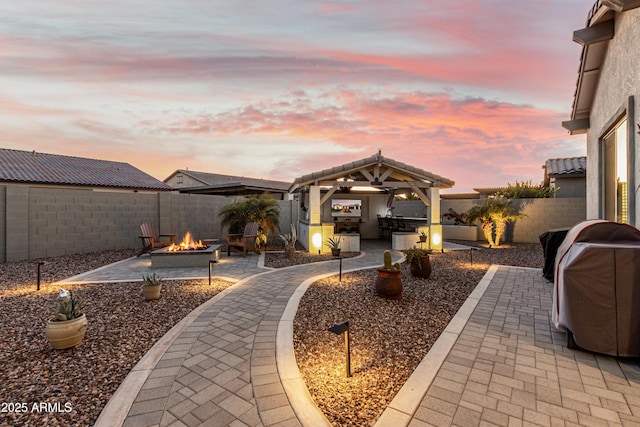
x: 294, y: 385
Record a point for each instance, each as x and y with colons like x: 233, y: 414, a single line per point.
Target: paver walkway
x: 510, y: 367
x: 221, y: 369
x: 500, y: 362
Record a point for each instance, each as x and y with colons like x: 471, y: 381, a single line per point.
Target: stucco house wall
x: 619, y: 79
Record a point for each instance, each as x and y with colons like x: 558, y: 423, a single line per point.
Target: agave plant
x: 151, y: 280
x: 333, y: 242
x: 68, y: 307
x: 290, y: 239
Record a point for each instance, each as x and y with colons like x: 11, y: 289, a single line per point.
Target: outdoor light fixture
x: 339, y: 328
x: 211, y: 262
x: 316, y: 240
x: 40, y: 264
x: 436, y: 239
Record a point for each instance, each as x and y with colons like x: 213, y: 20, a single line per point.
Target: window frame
x: 625, y: 112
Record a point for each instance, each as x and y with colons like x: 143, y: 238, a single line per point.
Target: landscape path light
x: 339, y: 328
x: 211, y: 262
x: 40, y: 264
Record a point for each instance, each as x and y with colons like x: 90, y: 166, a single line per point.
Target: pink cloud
x: 503, y: 141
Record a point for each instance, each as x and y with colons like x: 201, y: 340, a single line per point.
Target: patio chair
x: 151, y: 238
x: 245, y: 241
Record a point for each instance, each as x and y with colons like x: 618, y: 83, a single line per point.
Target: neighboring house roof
x: 594, y: 38
x: 488, y: 191
x: 34, y: 167
x: 213, y: 183
x: 572, y: 166
x: 361, y: 170
x: 462, y: 196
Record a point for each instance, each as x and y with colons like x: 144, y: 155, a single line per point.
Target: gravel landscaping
x: 74, y: 385
x: 388, y: 338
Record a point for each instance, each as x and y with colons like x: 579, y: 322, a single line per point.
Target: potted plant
x: 290, y: 242
x: 419, y: 262
x: 68, y: 325
x: 422, y: 236
x: 334, y: 244
x: 151, y: 286
x: 389, y: 282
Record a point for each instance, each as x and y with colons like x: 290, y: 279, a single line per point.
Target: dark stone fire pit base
x: 162, y: 258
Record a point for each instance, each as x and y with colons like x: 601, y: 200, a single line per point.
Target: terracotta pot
x: 67, y: 333
x: 423, y: 270
x: 335, y: 252
x: 289, y: 251
x: 423, y: 239
x: 151, y: 292
x: 389, y: 283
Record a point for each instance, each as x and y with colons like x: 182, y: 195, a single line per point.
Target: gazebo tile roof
x: 338, y: 171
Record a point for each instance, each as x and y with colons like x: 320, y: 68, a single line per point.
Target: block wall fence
x: 41, y: 222
x: 541, y: 215
x: 48, y: 221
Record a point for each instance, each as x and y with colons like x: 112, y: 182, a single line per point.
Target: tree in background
x: 493, y: 216
x: 502, y: 212
x: 261, y: 209
x: 526, y: 190
x: 480, y: 213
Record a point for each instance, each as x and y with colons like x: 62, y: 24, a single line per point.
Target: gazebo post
x: 433, y: 213
x: 316, y: 232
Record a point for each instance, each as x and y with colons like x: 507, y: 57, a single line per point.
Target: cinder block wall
x: 546, y: 214
x: 541, y: 215
x: 46, y: 221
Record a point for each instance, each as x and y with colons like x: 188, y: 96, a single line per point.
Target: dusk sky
x: 473, y: 90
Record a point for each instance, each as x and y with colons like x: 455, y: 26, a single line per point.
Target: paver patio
x: 499, y: 363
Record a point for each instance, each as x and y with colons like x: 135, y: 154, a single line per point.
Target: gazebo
x: 359, y: 194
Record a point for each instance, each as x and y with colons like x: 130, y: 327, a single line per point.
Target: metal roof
x: 34, y: 167
x: 401, y: 172
x: 566, y: 166
x: 211, y: 182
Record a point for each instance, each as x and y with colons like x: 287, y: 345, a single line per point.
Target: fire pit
x: 187, y: 253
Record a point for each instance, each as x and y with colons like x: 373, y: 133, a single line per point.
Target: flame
x: 187, y: 244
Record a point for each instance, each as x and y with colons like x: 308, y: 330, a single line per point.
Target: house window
x: 615, y: 183
x: 179, y: 179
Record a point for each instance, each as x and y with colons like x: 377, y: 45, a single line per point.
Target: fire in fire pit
x: 187, y: 244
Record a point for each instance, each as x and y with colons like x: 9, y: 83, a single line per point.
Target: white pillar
x: 433, y: 211
x: 314, y: 205
x: 435, y: 228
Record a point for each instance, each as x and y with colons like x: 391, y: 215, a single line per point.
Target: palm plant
x: 501, y: 212
x: 261, y: 209
x: 480, y: 213
x: 493, y: 215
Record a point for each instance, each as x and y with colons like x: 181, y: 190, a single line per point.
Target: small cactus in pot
x: 389, y: 282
